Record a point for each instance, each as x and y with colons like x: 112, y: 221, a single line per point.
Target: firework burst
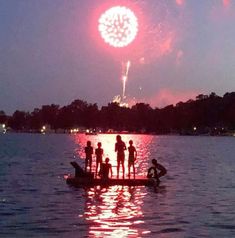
x: 118, y: 26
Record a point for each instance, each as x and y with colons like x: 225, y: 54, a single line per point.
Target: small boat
x: 91, y: 182
x: 85, y: 179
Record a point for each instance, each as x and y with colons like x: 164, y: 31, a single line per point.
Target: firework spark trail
x: 125, y: 72
x: 155, y: 32
x: 118, y: 27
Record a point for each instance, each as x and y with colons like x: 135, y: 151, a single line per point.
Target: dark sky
x: 50, y: 52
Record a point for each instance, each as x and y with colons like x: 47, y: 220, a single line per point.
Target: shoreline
x: 229, y: 134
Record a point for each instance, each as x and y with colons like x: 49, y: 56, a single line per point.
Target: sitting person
x: 105, y: 169
x: 153, y: 171
x: 79, y: 172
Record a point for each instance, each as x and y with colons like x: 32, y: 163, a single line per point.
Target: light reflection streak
x: 115, y: 211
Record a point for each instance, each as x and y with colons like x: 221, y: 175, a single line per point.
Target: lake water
x: 195, y: 199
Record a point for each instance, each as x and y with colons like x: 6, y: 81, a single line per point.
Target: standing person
x: 153, y: 172
x: 105, y: 169
x: 120, y: 147
x: 99, y: 154
x: 131, y: 158
x: 88, y: 152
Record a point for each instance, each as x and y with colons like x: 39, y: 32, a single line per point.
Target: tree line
x: 206, y: 114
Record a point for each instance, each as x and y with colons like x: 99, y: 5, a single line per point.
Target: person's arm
x: 101, y: 170
x: 162, y: 169
x: 115, y: 147
x: 135, y: 152
x: 111, y: 171
x: 148, y: 174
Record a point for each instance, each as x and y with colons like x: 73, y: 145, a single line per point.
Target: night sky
x: 51, y: 52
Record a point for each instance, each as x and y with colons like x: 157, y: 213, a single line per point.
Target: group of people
x: 105, y: 169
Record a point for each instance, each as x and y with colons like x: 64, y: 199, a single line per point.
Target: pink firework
x: 118, y: 26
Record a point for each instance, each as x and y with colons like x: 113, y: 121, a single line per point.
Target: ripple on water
x: 196, y: 198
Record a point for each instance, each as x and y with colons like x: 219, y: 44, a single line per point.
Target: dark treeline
x: 205, y: 114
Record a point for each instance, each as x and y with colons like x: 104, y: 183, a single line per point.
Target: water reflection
x: 114, y: 211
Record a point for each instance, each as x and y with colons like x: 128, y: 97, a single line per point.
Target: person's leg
x: 86, y: 164
x: 134, y: 170
x: 90, y: 163
x: 96, y: 169
x: 123, y: 169
x: 118, y: 165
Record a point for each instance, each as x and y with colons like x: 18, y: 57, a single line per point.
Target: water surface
x: 195, y: 199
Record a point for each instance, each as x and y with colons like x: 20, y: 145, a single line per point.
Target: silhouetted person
x: 88, y: 152
x: 120, y: 147
x: 99, y: 154
x: 106, y: 170
x: 153, y: 172
x: 132, y: 157
x: 79, y: 172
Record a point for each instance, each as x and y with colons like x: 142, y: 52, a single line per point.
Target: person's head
x: 130, y: 142
x: 106, y: 160
x: 99, y: 144
x: 118, y: 138
x: 88, y: 143
x: 154, y: 161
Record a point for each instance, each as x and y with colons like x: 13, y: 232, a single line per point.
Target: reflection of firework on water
x: 118, y: 26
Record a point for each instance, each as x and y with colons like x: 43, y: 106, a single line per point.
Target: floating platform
x: 86, y: 179
x: 91, y: 182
